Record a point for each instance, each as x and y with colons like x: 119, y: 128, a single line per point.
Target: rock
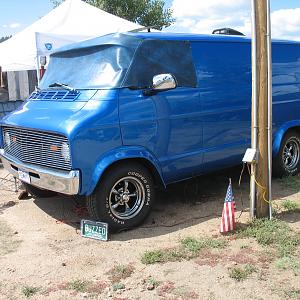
x: 63, y: 264
x: 150, y: 287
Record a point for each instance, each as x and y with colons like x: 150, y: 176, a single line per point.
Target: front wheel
x: 124, y: 197
x: 287, y: 162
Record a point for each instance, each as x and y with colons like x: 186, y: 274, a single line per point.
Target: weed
x: 189, y: 248
x: 273, y: 232
x: 78, y: 285
x: 118, y: 286
x: 119, y: 272
x: 153, y: 282
x: 29, y: 291
x: 293, y: 294
x: 289, y: 263
x: 162, y: 255
x: 290, y: 205
x: 241, y: 273
x: 195, y: 245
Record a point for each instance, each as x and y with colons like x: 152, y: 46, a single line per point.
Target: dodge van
x: 116, y: 116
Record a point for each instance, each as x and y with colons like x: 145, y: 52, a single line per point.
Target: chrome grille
x: 36, y: 147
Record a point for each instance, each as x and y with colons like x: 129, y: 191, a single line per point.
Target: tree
x: 148, y: 13
x: 4, y: 38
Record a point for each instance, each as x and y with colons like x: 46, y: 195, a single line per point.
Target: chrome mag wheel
x: 291, y: 152
x: 127, y: 198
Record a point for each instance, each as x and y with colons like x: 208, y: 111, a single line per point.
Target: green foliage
x: 195, y: 245
x: 289, y: 263
x: 189, y: 248
x: 162, y: 255
x: 241, y: 273
x: 29, y: 291
x: 78, y: 285
x: 273, y: 232
x: 292, y: 294
x: 148, y: 13
x: 290, y: 205
x: 119, y: 272
x: 118, y: 286
x: 4, y: 38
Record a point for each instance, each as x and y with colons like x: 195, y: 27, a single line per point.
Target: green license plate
x: 94, y: 230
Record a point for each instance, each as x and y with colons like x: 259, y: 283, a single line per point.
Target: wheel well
x: 144, y: 162
x: 277, y: 140
x: 296, y: 128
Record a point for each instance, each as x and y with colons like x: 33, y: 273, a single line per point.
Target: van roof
x: 199, y: 37
x: 115, y: 38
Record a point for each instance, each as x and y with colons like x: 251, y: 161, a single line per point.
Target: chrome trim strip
x: 65, y: 182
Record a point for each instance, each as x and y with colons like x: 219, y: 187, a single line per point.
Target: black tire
x: 123, y: 205
x: 38, y: 193
x: 287, y: 161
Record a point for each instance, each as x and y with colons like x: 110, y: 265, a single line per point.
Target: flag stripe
x: 227, y: 220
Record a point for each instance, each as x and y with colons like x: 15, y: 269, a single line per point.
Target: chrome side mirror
x: 164, y: 82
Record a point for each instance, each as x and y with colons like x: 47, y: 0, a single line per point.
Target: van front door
x: 168, y: 124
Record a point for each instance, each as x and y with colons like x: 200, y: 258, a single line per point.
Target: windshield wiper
x: 64, y: 85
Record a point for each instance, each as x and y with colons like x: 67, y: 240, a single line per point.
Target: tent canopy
x: 72, y: 21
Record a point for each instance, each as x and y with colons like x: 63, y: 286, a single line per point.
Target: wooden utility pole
x: 262, y: 174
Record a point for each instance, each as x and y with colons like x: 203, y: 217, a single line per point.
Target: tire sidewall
x: 102, y: 196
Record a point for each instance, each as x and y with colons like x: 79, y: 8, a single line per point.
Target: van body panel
x: 160, y: 124
x: 116, y: 155
x: 226, y: 101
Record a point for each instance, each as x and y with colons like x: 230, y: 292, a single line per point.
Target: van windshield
x: 102, y: 66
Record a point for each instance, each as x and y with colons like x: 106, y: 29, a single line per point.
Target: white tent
x: 73, y: 20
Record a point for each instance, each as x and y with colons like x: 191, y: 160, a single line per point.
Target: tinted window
x: 155, y: 57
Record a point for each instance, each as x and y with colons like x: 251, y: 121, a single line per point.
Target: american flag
x: 228, y: 221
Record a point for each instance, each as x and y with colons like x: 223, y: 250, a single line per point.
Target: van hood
x: 43, y: 115
x: 56, y: 116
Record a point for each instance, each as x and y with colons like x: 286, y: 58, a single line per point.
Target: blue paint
x: 184, y: 132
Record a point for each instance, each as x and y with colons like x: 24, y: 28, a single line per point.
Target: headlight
x: 7, y: 139
x: 65, y: 152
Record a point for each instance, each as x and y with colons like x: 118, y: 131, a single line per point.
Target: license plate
x: 94, y: 230
x: 24, y: 176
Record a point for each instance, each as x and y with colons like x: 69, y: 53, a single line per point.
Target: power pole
x: 262, y: 169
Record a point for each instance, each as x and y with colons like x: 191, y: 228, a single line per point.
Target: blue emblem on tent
x: 48, y: 46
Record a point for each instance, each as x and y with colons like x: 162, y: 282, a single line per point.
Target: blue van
x: 117, y: 116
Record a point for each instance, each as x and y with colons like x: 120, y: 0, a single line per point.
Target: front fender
x: 280, y: 134
x: 118, y: 154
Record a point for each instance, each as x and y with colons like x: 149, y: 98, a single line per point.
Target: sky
x: 192, y: 16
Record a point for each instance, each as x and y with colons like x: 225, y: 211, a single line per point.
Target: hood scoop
x: 61, y: 95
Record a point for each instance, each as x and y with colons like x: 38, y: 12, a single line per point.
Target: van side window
x: 155, y: 57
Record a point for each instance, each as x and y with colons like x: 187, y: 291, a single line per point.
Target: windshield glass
x: 93, y: 66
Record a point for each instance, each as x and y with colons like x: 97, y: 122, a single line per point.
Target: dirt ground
x: 43, y: 256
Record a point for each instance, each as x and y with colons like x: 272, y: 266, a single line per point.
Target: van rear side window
x: 155, y: 57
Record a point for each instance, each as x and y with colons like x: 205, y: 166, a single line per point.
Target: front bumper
x: 58, y: 181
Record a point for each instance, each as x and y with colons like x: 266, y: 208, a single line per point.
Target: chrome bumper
x: 58, y: 181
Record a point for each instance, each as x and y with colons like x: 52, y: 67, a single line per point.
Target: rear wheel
x: 124, y: 197
x: 38, y: 193
x: 287, y: 162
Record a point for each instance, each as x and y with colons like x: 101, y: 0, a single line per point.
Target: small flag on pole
x: 228, y: 221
